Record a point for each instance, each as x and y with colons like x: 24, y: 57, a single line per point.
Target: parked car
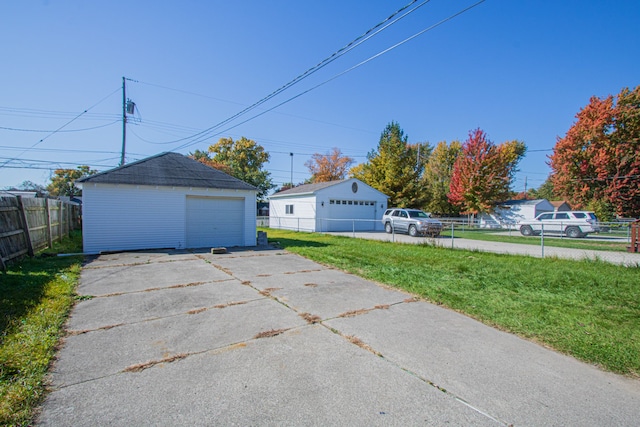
x: 570, y: 223
x: 412, y: 221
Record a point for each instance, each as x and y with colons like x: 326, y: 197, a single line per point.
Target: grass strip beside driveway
x: 588, y: 309
x: 36, y: 296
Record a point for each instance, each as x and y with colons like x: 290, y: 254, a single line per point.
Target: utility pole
x: 128, y: 107
x: 124, y: 120
x: 291, y: 154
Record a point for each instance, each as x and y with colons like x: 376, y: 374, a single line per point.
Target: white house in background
x: 342, y: 205
x: 510, y: 212
x: 166, y: 201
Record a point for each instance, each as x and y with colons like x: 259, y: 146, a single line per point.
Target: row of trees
x: 469, y: 177
x: 596, y: 165
x: 448, y: 179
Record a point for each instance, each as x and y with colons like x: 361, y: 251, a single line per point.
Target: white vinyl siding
x: 131, y: 217
x: 316, y: 212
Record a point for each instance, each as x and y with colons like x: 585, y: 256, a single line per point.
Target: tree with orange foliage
x: 332, y: 166
x: 598, y: 162
x: 204, y: 158
x: 483, y: 172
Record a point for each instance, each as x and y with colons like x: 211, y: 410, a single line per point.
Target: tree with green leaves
x: 437, y: 177
x: 63, y: 181
x: 244, y: 159
x: 396, y: 168
x: 483, y: 173
x: 545, y: 191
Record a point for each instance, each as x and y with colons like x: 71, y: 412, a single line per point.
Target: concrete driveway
x: 266, y: 337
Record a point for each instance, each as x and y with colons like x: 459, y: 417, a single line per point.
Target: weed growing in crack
x: 270, y: 333
x: 310, y: 318
x: 145, y: 365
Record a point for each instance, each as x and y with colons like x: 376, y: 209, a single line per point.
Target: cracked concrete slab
x: 131, y: 277
x: 103, y: 352
x: 160, y: 353
x: 283, y: 380
x: 151, y: 304
x: 497, y: 372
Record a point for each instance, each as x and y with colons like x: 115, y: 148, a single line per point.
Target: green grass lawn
x: 588, y: 309
x: 35, y: 298
x: 590, y: 243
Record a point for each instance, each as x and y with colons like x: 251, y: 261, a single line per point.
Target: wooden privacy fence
x: 28, y: 225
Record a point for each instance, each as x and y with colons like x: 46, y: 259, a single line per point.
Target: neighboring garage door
x: 214, y: 222
x: 343, y: 213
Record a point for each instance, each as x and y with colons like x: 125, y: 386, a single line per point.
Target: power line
x: 202, y: 135
x: 371, y: 58
x: 58, y: 129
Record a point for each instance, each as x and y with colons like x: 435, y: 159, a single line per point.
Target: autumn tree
x: 63, y: 181
x: 243, y: 159
x: 396, y: 168
x: 205, y: 158
x: 437, y: 177
x: 483, y: 172
x: 332, y: 166
x: 597, y: 163
x: 574, y: 170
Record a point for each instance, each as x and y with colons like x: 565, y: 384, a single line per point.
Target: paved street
x: 266, y: 337
x: 536, y: 250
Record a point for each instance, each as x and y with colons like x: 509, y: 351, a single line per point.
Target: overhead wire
x: 392, y: 19
x: 58, y: 129
x: 371, y: 58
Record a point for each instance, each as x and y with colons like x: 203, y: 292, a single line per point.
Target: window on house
x: 350, y: 202
x: 344, y: 202
x: 332, y: 202
x: 289, y: 209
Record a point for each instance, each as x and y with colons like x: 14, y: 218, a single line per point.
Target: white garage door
x: 214, y: 222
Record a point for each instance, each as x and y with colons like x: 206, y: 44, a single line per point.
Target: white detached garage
x: 166, y: 201
x: 343, y: 205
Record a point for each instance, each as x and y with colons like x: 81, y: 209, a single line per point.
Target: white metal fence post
x: 393, y: 230
x: 452, y: 225
x: 542, y: 238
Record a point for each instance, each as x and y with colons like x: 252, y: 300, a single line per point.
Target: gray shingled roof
x: 307, y: 188
x: 168, y: 169
x: 522, y: 202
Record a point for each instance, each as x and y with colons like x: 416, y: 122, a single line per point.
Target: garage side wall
x: 303, y: 217
x: 129, y: 217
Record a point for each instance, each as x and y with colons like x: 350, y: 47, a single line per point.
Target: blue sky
x: 518, y: 69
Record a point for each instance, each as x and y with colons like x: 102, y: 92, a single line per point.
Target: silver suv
x: 412, y: 221
x: 569, y: 223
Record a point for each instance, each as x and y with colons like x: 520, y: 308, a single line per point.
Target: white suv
x: 569, y: 223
